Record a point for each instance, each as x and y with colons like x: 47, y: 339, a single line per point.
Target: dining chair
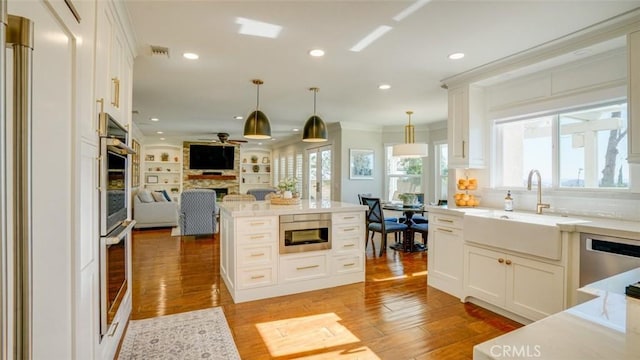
x: 238, y: 197
x: 391, y: 218
x: 376, y: 223
x: 422, y: 228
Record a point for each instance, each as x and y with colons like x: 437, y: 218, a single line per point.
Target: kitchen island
x: 253, y: 266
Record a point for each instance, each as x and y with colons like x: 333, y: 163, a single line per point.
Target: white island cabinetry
x: 252, y: 266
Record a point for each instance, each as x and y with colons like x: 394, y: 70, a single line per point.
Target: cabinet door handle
x: 116, y: 92
x: 463, y: 155
x: 307, y: 267
x: 445, y: 230
x: 99, y: 159
x: 255, y: 277
x: 500, y: 260
x: 508, y: 262
x: 257, y: 254
x: 114, y: 327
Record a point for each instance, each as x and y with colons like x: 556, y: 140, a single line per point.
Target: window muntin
x: 578, y: 158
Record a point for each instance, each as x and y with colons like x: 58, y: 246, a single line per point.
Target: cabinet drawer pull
x: 349, y: 217
x: 508, y: 262
x: 253, y: 237
x: 446, y: 220
x: 500, y: 260
x: 256, y: 223
x: 349, y: 245
x: 255, y: 277
x: 349, y: 229
x: 257, y: 254
x: 307, y: 267
x: 445, y: 230
x: 349, y: 264
x: 116, y: 92
x: 114, y: 327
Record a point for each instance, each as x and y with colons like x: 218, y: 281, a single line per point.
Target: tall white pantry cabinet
x: 76, y: 58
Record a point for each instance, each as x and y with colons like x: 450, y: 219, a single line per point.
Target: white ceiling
x: 196, y: 99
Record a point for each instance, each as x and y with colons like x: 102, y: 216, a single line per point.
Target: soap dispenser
x: 508, y: 202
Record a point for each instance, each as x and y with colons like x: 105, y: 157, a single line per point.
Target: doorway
x: 319, y: 176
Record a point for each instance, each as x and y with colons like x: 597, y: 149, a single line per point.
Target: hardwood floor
x: 392, y: 315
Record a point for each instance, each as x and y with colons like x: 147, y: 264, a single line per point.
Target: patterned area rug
x: 200, y: 334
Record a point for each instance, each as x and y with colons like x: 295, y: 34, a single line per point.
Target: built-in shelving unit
x: 255, y: 168
x: 162, y: 169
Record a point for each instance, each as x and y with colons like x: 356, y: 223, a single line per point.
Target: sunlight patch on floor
x: 360, y: 353
x: 404, y: 276
x: 308, y: 334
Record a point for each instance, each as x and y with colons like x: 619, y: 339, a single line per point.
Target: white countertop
x: 602, y: 226
x: 607, y: 327
x: 265, y: 208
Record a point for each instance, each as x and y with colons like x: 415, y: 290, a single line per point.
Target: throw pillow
x: 145, y: 196
x: 166, y: 195
x: 158, y: 197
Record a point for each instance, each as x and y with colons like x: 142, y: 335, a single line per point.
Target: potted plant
x: 408, y: 198
x: 288, y: 187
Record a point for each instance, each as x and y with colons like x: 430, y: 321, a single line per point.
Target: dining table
x: 408, y: 211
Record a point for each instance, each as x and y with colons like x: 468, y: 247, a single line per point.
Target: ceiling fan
x: 223, y: 138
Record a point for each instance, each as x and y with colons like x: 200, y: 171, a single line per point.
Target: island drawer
x: 348, y: 218
x: 347, y: 264
x: 296, y: 267
x: 258, y: 237
x: 347, y: 243
x: 255, y: 225
x: 256, y: 277
x: 256, y: 255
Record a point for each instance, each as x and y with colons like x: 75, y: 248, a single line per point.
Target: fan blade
x: 237, y: 141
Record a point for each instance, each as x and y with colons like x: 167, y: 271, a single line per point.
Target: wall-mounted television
x: 211, y: 157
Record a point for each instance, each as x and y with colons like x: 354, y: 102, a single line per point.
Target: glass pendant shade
x: 409, y: 148
x: 314, y: 129
x: 257, y: 125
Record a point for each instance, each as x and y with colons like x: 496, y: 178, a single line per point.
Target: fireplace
x: 220, y: 192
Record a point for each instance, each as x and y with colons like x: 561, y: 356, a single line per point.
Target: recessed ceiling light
x: 190, y: 56
x: 159, y: 132
x: 259, y: 143
x: 456, y: 56
x: 155, y: 119
x: 238, y: 117
x: 258, y: 28
x: 384, y: 86
x: 295, y: 129
x: 161, y: 138
x: 316, y: 52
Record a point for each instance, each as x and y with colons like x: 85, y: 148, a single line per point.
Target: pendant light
x: 409, y: 148
x: 314, y: 129
x: 257, y: 125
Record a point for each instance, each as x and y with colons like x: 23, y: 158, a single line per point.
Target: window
x: 442, y: 171
x: 404, y: 175
x: 589, y: 150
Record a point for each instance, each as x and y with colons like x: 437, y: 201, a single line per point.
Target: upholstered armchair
x: 197, y: 212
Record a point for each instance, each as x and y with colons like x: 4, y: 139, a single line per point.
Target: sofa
x: 163, y: 213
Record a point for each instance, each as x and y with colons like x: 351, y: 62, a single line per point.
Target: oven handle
x: 116, y: 238
x: 118, y: 146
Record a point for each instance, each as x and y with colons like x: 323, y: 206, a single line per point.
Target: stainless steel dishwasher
x: 602, y: 256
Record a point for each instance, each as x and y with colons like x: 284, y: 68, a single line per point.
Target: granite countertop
x: 265, y: 208
x: 606, y: 327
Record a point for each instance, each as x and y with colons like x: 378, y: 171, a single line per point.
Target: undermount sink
x: 531, y: 234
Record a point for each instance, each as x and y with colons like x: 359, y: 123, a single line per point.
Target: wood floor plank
x: 392, y: 315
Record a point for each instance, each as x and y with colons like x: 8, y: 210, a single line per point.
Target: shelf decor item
x: 254, y: 159
x: 256, y: 168
x: 152, y: 179
x: 164, y: 156
x: 149, y: 158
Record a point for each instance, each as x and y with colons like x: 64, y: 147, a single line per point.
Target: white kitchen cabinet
x: 633, y: 101
x: 445, y: 255
x: 466, y: 127
x: 256, y: 251
x: 347, y: 237
x: 113, y: 63
x: 530, y: 288
x: 303, y: 266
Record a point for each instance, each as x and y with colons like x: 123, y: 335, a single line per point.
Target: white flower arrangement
x: 288, y: 184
